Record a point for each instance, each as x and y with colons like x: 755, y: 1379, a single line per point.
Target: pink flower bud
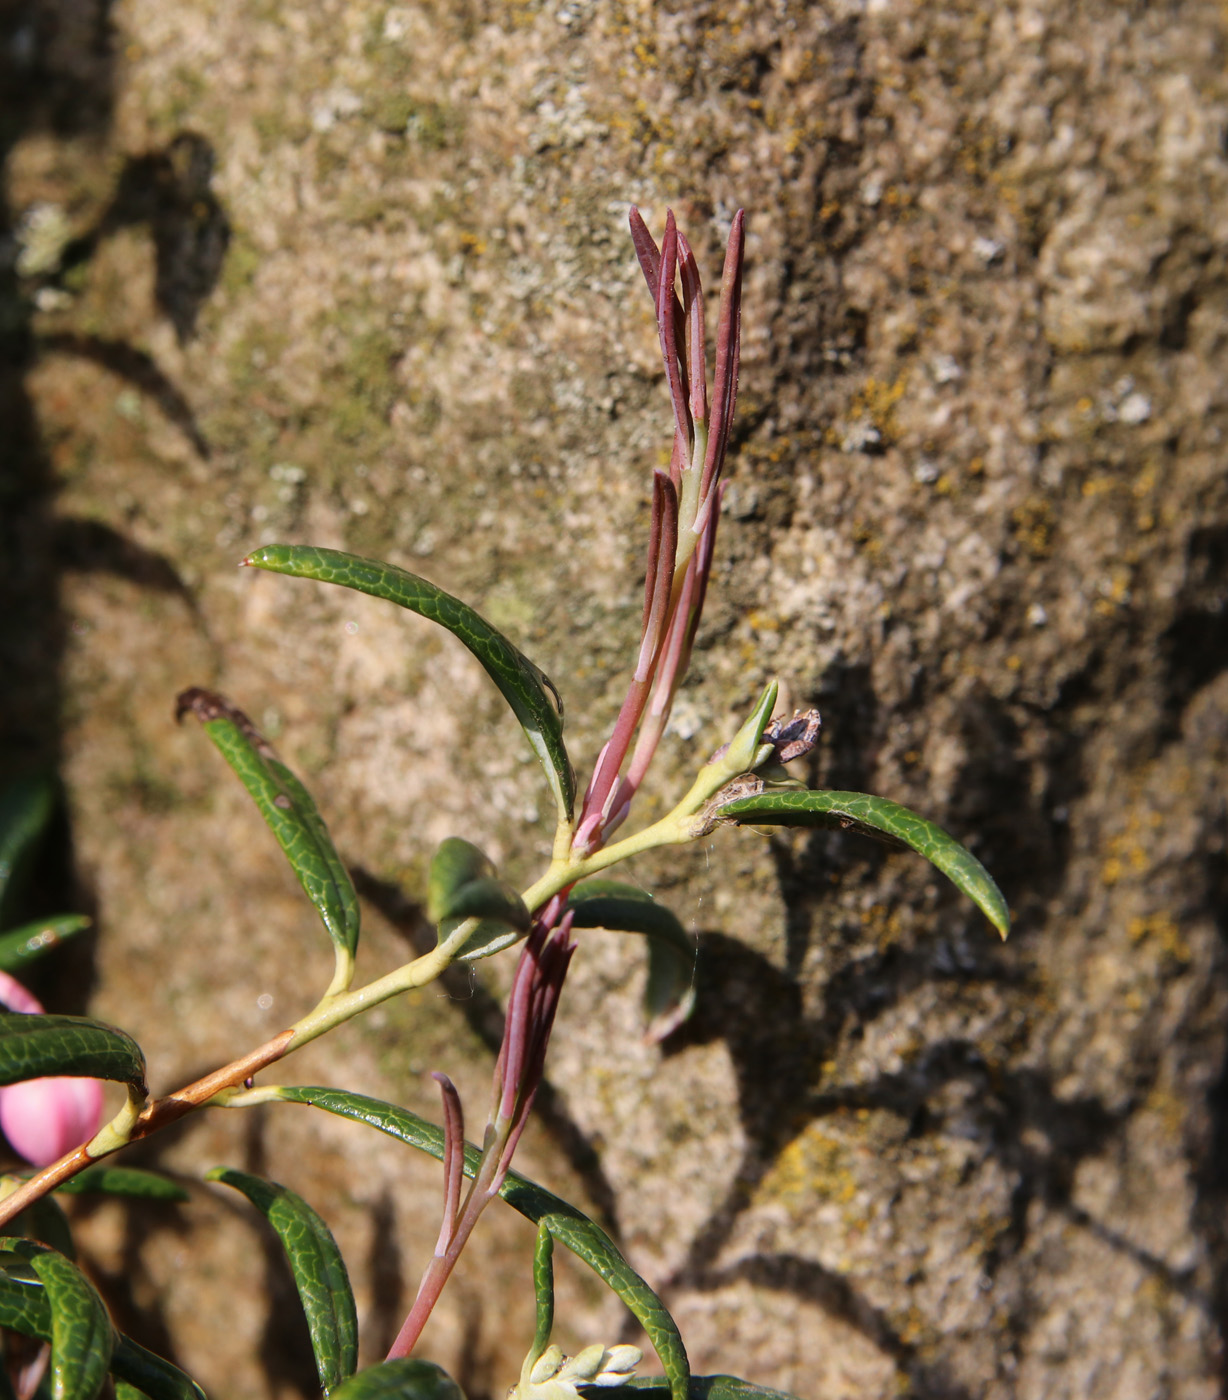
x: 44, y: 1118
x: 15, y: 997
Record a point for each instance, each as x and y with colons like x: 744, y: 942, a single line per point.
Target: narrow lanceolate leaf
x: 524, y: 686
x: 292, y: 816
x: 543, y: 1288
x: 669, y: 994
x: 319, y: 1272
x: 32, y: 1047
x: 402, y: 1379
x: 586, y: 1239
x: 82, y: 1338
x: 875, y: 816
x: 22, y: 945
x: 134, y: 1182
x: 150, y: 1375
x: 463, y: 885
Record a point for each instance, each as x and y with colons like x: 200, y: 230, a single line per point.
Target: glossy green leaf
x: 463, y: 885
x: 82, y: 1338
x: 134, y: 1182
x: 23, y: 1299
x: 150, y: 1374
x: 26, y: 807
x: 23, y: 945
x: 319, y: 1272
x: 570, y: 1227
x: 402, y: 1379
x: 543, y: 1290
x: 45, y: 1295
x: 526, y: 688
x: 34, y: 1046
x: 701, y: 1388
x: 292, y: 816
x: 669, y: 995
x: 875, y: 816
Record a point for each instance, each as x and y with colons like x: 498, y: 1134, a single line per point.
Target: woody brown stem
x: 159, y: 1114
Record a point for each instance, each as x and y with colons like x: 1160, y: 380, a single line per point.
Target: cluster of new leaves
x: 478, y: 913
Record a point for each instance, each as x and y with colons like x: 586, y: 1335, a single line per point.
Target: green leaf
x: 82, y: 1338
x: 292, y: 816
x: 584, y: 1237
x: 150, y: 1374
x: 701, y: 1388
x: 875, y: 816
x: 319, y: 1271
x: 23, y: 1299
x: 124, y: 1181
x: 44, y: 1295
x: 463, y: 885
x: 543, y: 1290
x: 670, y: 992
x: 25, y: 809
x: 402, y: 1379
x: 22, y: 945
x: 34, y: 1046
x: 523, y: 685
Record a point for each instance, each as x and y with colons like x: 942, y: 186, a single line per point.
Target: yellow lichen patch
x: 1171, y: 1109
x: 1160, y: 931
x: 1098, y: 486
x: 1126, y: 853
x: 1145, y: 483
x: 877, y: 400
x: 1034, y: 525
x: 817, y: 1166
x: 865, y: 538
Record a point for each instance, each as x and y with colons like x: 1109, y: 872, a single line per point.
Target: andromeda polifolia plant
x: 478, y: 914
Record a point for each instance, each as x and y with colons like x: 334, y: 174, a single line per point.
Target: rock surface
x: 357, y: 274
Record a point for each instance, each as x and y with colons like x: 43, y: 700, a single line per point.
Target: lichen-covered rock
x: 357, y: 274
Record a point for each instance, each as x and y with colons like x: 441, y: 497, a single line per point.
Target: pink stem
x: 728, y: 356
x: 531, y: 1009
x: 649, y: 256
x: 453, y: 1157
x: 667, y: 325
x: 669, y: 623
x: 675, y: 658
x: 662, y: 549
x: 693, y: 310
